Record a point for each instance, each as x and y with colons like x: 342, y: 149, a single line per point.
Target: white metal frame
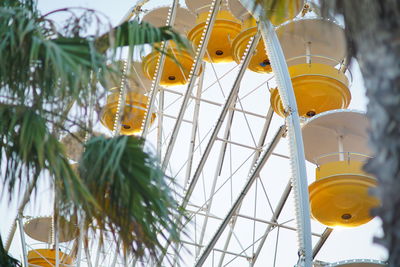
x: 261, y: 154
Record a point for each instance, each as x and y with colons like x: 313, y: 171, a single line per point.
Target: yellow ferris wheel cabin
x: 336, y: 141
x: 179, y: 62
x: 259, y: 62
x: 226, y: 28
x: 47, y: 258
x: 41, y: 229
x: 135, y: 106
x: 316, y: 65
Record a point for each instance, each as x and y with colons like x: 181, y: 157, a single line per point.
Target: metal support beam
x: 122, y: 95
x: 228, y: 103
x: 274, y: 218
x: 80, y: 242
x: 173, y: 117
x: 195, y: 70
x: 257, y: 154
x: 196, y: 113
x: 218, y: 250
x: 23, y: 243
x: 87, y: 254
x: 238, y: 215
x: 232, y: 96
x: 215, y: 103
x: 216, y: 175
x: 21, y: 208
x: 158, y: 72
x: 299, y: 175
x: 56, y: 228
x: 225, y: 141
x: 160, y: 122
x: 98, y: 253
x: 115, y: 258
x: 239, y: 200
x: 321, y: 241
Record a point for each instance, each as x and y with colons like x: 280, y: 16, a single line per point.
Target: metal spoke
x: 239, y: 200
x: 229, y: 101
x: 216, y: 175
x: 266, y: 195
x: 276, y: 246
x: 195, y: 69
x: 261, y: 142
x: 274, y: 218
x: 194, y: 128
x: 158, y: 71
x: 321, y: 241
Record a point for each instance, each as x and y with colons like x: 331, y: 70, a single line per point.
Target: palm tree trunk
x: 373, y: 29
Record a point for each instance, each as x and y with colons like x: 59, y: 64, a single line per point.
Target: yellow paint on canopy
x: 339, y: 196
x: 317, y: 87
x: 176, y: 68
x: 135, y: 109
x: 47, y: 258
x: 226, y: 28
x: 259, y: 61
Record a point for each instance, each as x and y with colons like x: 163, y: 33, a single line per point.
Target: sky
x: 342, y: 245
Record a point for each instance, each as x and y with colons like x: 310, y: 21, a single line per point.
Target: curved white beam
x: 299, y: 175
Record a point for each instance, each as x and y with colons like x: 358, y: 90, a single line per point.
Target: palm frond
x: 37, y: 68
x: 276, y: 10
x: 5, y: 259
x: 134, y: 33
x: 129, y: 186
x: 41, y: 66
x: 120, y: 186
x: 28, y: 150
x: 29, y: 4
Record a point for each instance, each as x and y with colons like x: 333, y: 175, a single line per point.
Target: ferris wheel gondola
x: 42, y: 229
x: 259, y: 62
x: 226, y: 28
x: 358, y: 263
x: 135, y: 107
x: 178, y: 65
x: 315, y: 51
x: 317, y: 69
x: 336, y: 141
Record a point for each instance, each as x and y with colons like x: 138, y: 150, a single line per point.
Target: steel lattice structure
x: 240, y: 171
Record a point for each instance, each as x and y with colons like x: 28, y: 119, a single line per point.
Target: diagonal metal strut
x: 239, y: 200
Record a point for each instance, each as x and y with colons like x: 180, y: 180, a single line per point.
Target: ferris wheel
x: 234, y: 123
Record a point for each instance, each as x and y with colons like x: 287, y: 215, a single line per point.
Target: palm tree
x: 373, y: 37
x: 48, y: 84
x: 5, y: 259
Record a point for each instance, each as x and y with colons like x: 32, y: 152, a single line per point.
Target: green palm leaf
x: 129, y: 186
x: 50, y: 70
x: 120, y: 187
x: 28, y: 149
x: 276, y: 10
x: 5, y: 259
x: 135, y: 33
x: 58, y: 68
